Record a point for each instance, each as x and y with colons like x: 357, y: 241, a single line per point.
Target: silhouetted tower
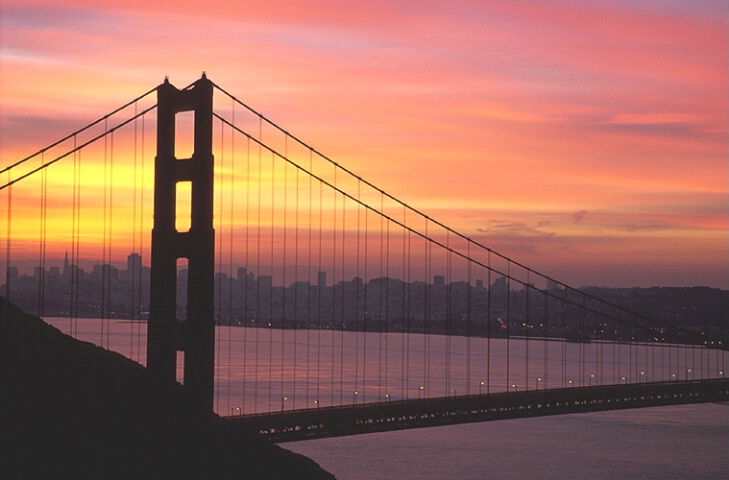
x: 194, y: 335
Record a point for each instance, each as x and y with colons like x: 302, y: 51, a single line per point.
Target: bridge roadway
x: 324, y: 422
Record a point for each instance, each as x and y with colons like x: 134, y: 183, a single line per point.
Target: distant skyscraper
x: 241, y: 274
x: 66, y: 270
x: 12, y: 275
x: 321, y: 279
x: 134, y: 264
x: 500, y: 287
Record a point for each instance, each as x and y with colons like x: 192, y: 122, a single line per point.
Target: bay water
x: 270, y: 370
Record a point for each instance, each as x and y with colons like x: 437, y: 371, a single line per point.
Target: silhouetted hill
x: 69, y: 409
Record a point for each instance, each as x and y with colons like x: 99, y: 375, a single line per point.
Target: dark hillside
x: 69, y: 409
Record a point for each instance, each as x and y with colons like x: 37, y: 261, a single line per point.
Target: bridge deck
x: 399, y: 415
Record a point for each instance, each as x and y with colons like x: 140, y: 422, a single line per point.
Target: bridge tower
x: 193, y: 335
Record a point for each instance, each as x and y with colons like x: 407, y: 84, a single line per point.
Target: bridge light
x: 539, y: 379
x: 480, y: 386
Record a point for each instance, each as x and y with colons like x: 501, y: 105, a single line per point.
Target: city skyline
x: 583, y: 139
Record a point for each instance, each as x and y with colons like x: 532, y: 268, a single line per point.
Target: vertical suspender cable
x: 140, y: 244
x: 308, y: 275
x: 218, y: 319
x: 508, y: 324
x: 380, y: 312
x: 296, y: 288
x: 284, y: 243
x: 527, y: 327
x: 469, y: 294
x: 601, y: 344
x: 246, y: 284
x: 403, y: 302
x: 104, y: 232
x: 410, y: 309
x: 449, y: 314
x: 488, y: 324
x: 8, y: 242
x: 272, y: 288
x: 619, y: 378
x: 387, y: 306
x: 42, y: 240
x: 111, y: 237
x: 320, y: 285
x: 564, y: 337
x: 426, y: 306
x: 231, y: 232
x: 357, y: 308
x: 258, y: 264
x: 75, y: 226
x: 334, y: 282
x: 366, y: 310
x: 132, y: 277
x: 547, y: 338
x: 343, y: 298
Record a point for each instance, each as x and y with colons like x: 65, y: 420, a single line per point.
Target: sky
x: 586, y: 139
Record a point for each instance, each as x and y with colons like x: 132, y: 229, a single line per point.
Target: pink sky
x: 586, y: 139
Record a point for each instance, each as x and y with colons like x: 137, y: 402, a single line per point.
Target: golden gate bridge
x: 291, y: 294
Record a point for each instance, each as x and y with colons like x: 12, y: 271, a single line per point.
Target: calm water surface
x: 678, y: 442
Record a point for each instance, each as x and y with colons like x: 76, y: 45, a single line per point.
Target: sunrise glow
x: 586, y: 139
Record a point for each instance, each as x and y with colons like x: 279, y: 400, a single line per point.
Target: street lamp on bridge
x: 539, y: 379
